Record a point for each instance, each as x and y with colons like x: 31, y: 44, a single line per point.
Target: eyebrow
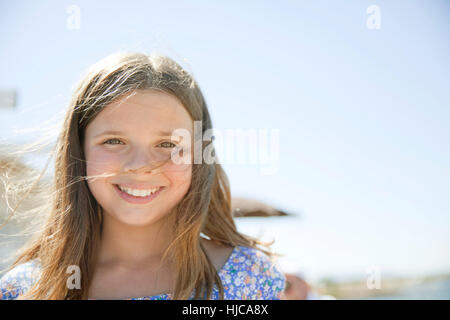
x: 115, y: 132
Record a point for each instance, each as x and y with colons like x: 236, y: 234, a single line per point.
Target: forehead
x: 147, y: 111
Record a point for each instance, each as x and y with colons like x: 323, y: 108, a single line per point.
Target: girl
x: 126, y: 219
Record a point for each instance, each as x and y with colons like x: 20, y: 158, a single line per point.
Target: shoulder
x: 19, y: 279
x: 219, y: 254
x: 251, y: 274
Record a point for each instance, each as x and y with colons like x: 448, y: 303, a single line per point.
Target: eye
x: 114, y: 139
x: 168, y: 142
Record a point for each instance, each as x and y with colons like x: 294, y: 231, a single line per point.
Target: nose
x: 141, y: 161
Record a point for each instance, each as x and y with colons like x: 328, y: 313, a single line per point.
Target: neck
x: 133, y: 245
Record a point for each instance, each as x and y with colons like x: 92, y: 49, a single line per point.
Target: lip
x: 138, y: 186
x: 137, y: 200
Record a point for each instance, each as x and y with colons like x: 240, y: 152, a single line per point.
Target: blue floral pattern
x: 18, y: 280
x: 248, y: 274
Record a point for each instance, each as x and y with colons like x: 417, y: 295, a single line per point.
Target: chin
x: 137, y: 219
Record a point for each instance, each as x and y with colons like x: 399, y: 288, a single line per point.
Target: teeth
x: 139, y: 193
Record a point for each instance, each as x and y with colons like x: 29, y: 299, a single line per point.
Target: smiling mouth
x: 138, y: 196
x: 139, y: 192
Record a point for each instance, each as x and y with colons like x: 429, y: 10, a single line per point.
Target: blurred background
x: 358, y: 92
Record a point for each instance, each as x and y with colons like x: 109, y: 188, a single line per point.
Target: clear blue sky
x: 363, y: 114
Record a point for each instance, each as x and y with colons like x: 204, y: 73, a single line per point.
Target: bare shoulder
x: 217, y: 253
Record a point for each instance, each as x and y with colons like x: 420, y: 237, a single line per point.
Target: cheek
x: 180, y: 176
x: 100, y: 162
x: 179, y: 171
x: 99, y: 167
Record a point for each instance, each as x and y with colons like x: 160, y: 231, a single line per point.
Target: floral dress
x: 248, y: 274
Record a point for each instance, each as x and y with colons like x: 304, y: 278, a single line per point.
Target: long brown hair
x: 72, y: 229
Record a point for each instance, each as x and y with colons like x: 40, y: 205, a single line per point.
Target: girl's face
x: 134, y: 153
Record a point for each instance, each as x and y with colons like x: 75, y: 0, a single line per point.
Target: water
x: 433, y: 290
